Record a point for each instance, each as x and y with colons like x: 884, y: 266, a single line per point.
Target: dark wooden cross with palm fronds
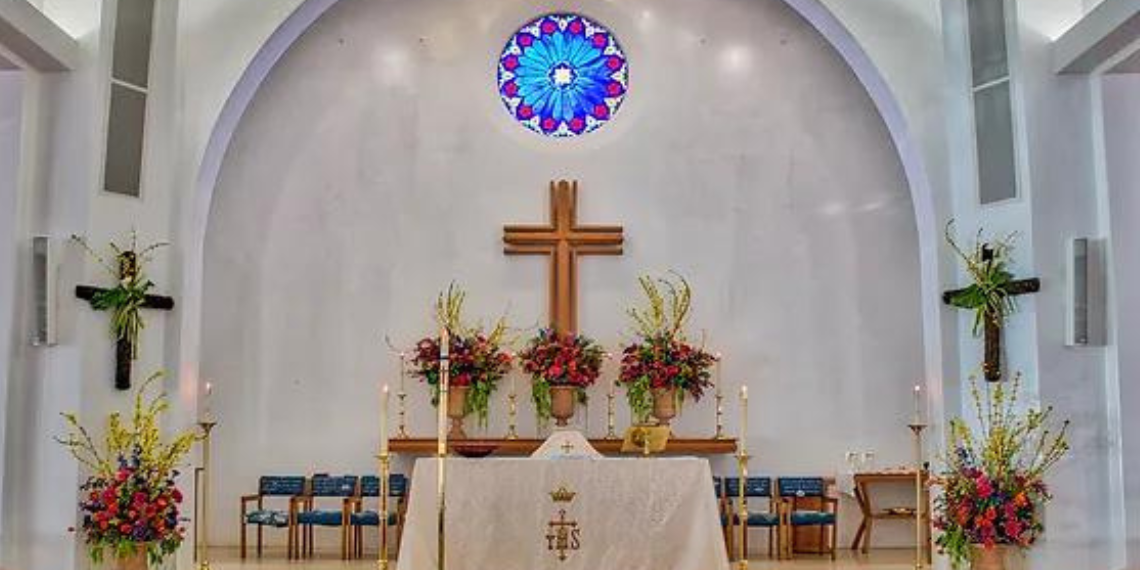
x: 992, y: 326
x: 124, y: 346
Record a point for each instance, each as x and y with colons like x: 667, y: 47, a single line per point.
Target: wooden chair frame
x: 259, y: 497
x: 828, y: 533
x: 302, y: 540
x: 355, y: 504
x: 777, y: 535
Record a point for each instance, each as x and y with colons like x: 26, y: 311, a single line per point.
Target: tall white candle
x: 743, y: 419
x: 917, y: 418
x: 384, y: 420
x: 208, y: 403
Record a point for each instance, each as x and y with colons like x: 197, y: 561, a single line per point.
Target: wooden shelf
x: 508, y: 447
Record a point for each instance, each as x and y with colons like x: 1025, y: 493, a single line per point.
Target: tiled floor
x: 883, y: 559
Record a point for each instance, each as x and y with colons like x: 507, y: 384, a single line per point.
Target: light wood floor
x: 880, y: 559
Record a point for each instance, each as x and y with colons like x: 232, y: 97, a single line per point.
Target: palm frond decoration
x: 987, y: 264
x: 127, y: 297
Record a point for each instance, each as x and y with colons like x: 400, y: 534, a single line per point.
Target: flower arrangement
x: 993, y: 487
x: 476, y: 358
x: 560, y: 359
x: 130, y: 503
x: 987, y: 263
x: 662, y: 359
x: 126, y: 298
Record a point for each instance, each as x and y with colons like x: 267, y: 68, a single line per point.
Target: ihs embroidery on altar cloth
x: 563, y: 535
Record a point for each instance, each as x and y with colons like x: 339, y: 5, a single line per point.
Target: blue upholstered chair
x: 772, y: 518
x: 810, y: 505
x: 359, y: 517
x: 269, y: 486
x: 306, y: 515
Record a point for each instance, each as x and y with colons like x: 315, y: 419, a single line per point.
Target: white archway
x: 818, y: 16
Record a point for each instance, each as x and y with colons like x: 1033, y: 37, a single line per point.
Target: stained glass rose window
x: 563, y: 75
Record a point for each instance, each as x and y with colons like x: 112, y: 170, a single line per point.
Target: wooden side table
x: 864, y: 482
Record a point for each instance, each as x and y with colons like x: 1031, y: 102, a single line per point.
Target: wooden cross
x: 124, y: 350
x: 992, y: 328
x: 563, y: 240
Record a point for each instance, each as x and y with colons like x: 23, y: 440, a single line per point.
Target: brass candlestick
x: 512, y: 415
x: 384, y: 459
x: 611, y: 432
x: 719, y: 416
x: 441, y: 447
x: 204, y: 544
x: 402, y: 429
x: 742, y: 510
x: 919, y: 506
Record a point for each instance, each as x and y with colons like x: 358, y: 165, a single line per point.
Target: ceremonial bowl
x: 474, y: 448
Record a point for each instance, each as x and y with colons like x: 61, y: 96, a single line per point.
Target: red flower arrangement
x: 994, y: 486
x: 476, y: 359
x: 130, y: 503
x: 134, y: 508
x: 555, y: 359
x: 663, y: 359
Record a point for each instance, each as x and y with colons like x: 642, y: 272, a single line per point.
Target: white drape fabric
x: 631, y: 514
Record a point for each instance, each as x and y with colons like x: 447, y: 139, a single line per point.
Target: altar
x: 528, y: 514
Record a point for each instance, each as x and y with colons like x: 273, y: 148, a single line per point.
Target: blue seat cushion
x: 759, y: 518
x: 371, y: 518
x: 320, y: 518
x: 266, y: 517
x: 812, y: 518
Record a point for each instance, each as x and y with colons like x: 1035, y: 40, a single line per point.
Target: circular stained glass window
x: 563, y: 75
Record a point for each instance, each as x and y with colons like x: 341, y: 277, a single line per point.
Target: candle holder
x: 441, y: 448
x: 919, y: 503
x: 742, y: 458
x: 719, y: 416
x: 512, y: 415
x: 611, y: 432
x: 402, y: 429
x: 204, y: 543
x: 383, y: 459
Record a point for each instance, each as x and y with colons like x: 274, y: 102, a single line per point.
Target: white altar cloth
x: 631, y: 514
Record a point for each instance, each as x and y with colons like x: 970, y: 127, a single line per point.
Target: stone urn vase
x: 562, y: 401
x: 457, y: 410
x: 135, y: 561
x: 664, y: 405
x: 988, y: 558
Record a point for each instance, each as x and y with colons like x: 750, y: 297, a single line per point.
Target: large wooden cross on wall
x: 124, y: 349
x: 563, y: 240
x: 992, y: 328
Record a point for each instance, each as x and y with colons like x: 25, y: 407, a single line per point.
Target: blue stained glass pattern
x: 563, y: 75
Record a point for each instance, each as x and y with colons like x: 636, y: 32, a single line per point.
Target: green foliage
x: 640, y: 398
x: 667, y: 308
x: 141, y: 433
x: 988, y: 266
x: 126, y: 298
